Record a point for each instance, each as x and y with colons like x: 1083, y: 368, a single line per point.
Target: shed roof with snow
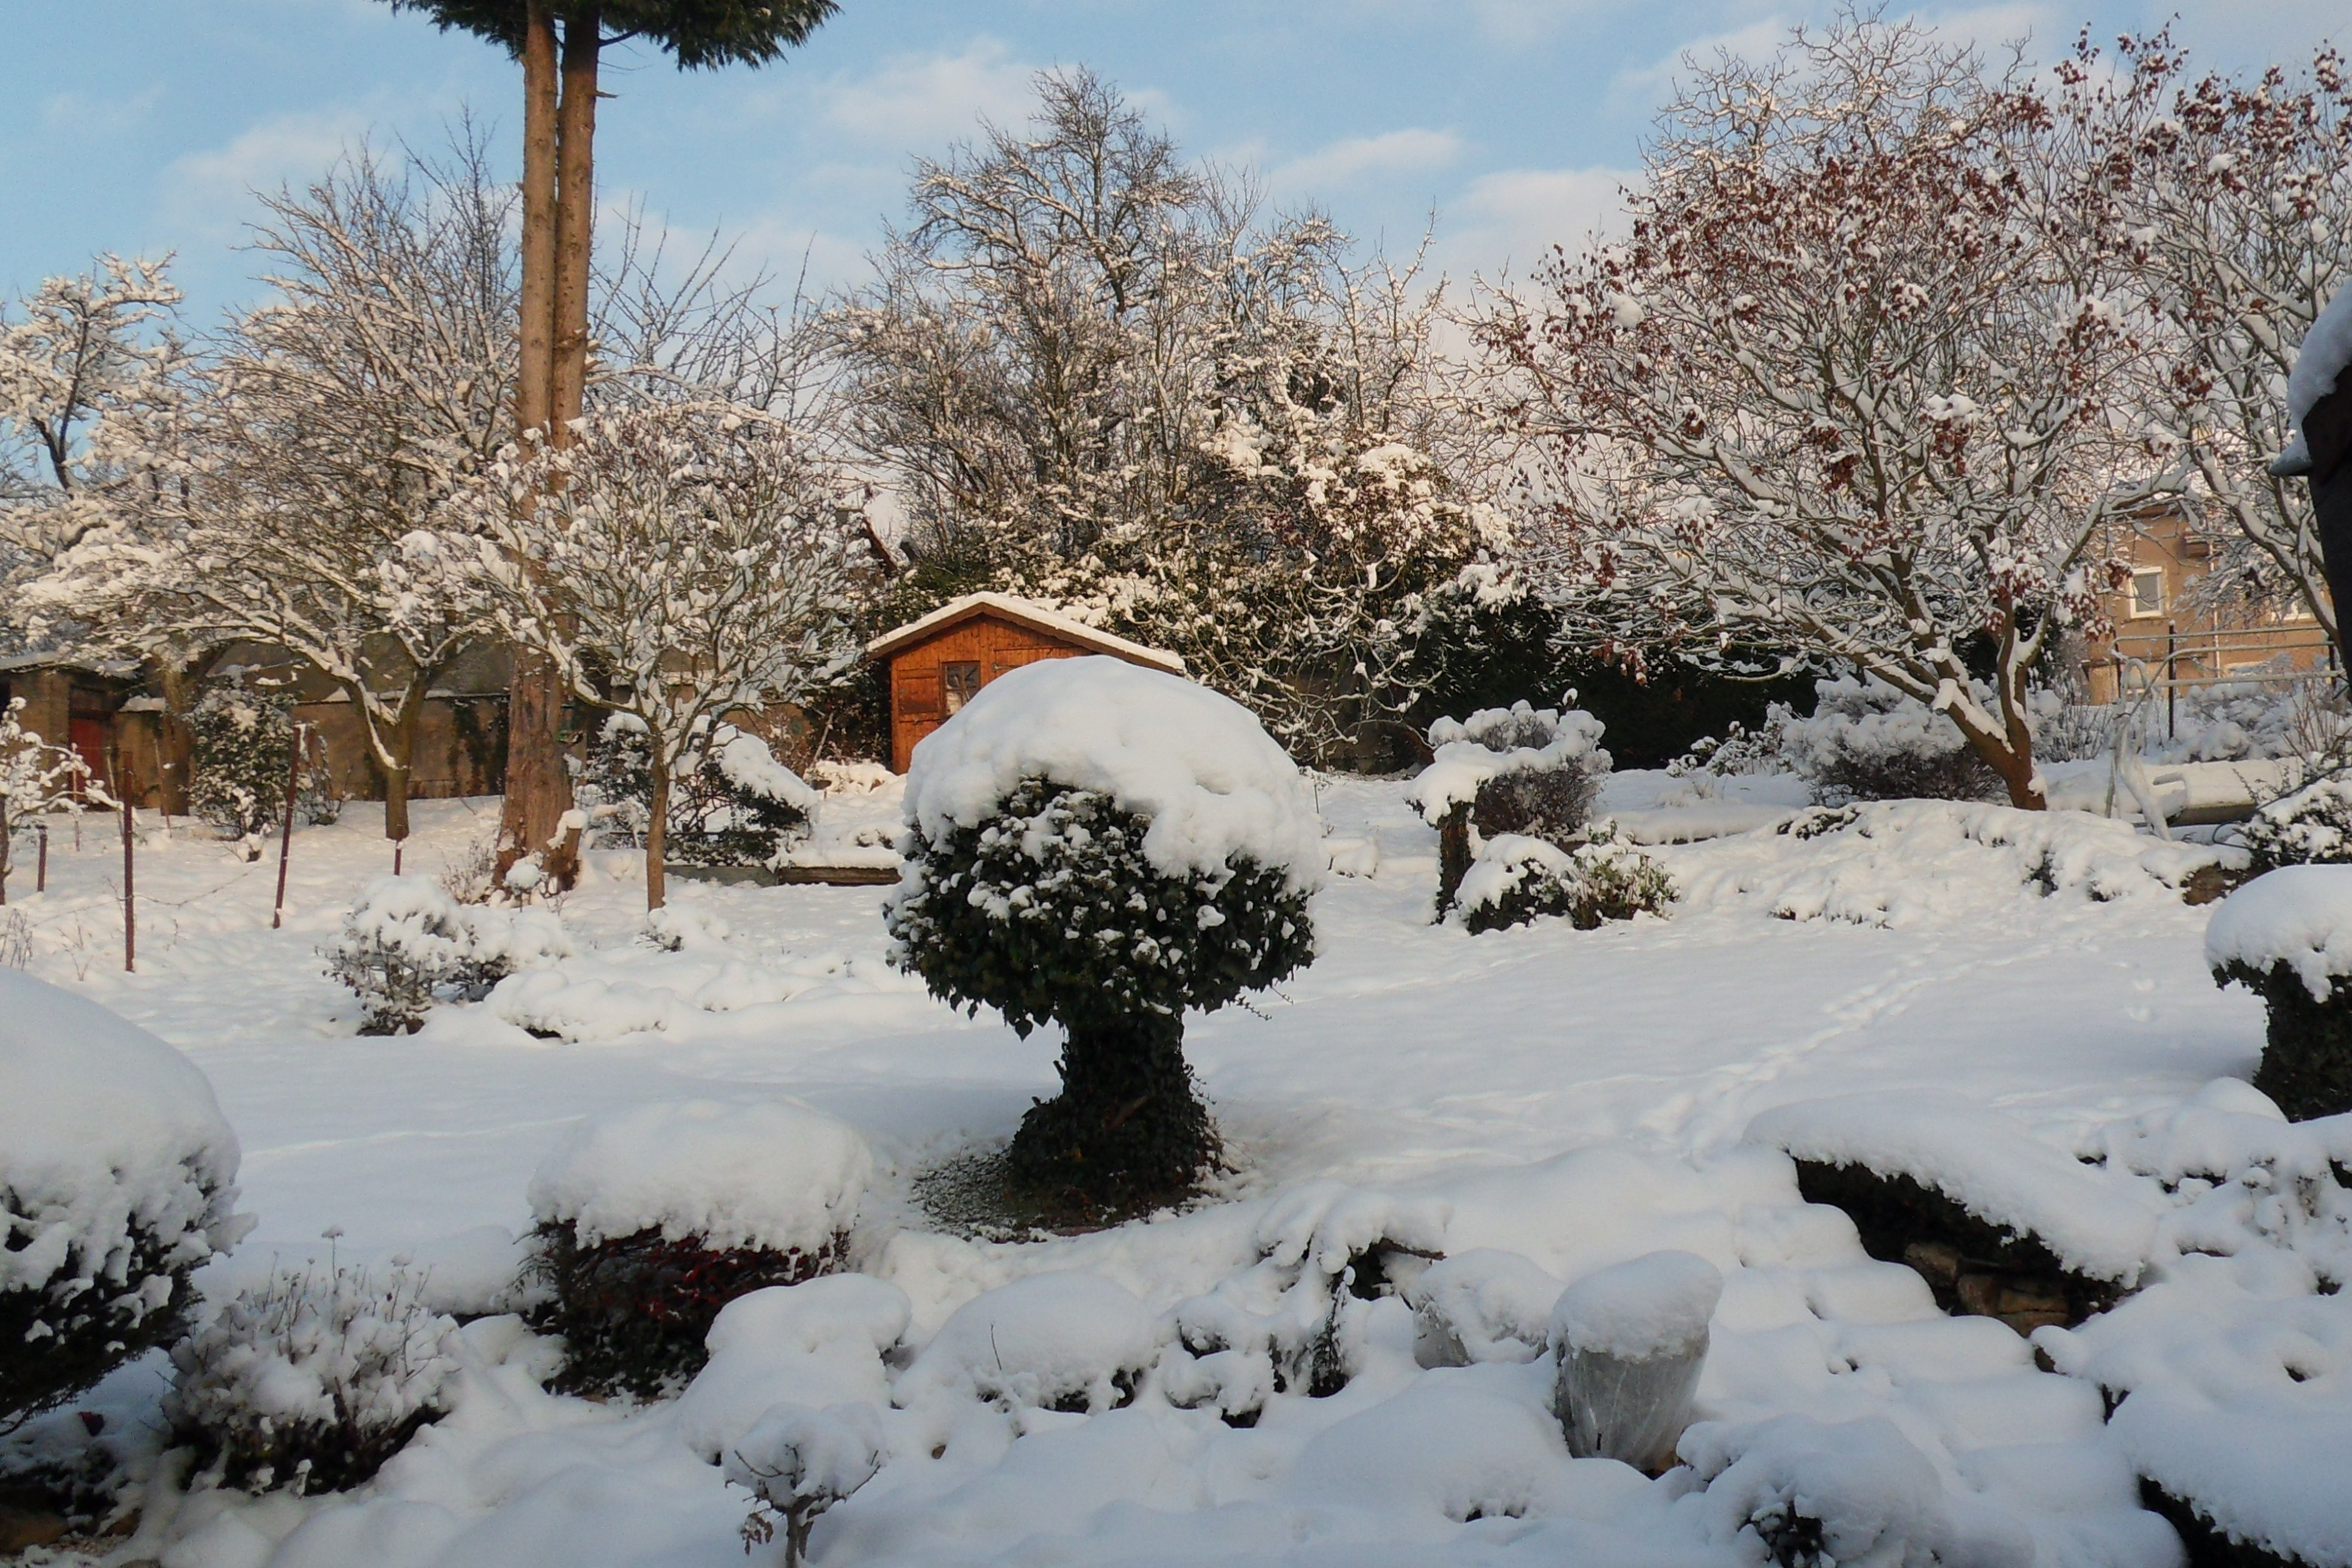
x: 941, y: 661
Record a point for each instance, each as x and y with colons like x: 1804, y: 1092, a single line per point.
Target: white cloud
x: 1511, y: 218
x: 920, y: 102
x: 1346, y: 162
x: 209, y: 189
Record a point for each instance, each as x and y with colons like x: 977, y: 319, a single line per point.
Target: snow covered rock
x: 1214, y: 786
x: 312, y: 1381
x: 1632, y: 1340
x: 408, y: 944
x: 2287, y: 935
x: 652, y: 1219
x: 117, y: 1179
x: 1061, y: 1339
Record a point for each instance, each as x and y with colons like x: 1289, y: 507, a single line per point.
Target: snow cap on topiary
x: 2300, y: 916
x: 1214, y: 785
x: 772, y: 1173
x: 104, y: 1129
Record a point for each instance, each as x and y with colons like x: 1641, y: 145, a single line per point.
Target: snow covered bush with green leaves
x: 409, y: 943
x: 733, y: 805
x: 1518, y: 878
x: 243, y: 737
x: 1101, y: 846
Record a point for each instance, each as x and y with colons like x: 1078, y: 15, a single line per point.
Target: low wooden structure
x: 939, y: 663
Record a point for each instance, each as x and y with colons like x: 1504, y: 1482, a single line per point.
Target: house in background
x: 939, y: 663
x: 80, y: 704
x: 2164, y: 632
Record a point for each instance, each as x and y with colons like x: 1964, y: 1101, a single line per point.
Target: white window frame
x: 2140, y: 574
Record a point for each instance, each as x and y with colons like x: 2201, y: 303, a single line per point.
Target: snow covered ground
x: 1576, y: 1098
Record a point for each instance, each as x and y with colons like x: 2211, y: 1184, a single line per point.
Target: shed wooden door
x: 983, y: 646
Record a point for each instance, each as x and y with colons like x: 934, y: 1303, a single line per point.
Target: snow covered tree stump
x: 1103, y: 846
x: 2287, y: 937
x: 1630, y: 1342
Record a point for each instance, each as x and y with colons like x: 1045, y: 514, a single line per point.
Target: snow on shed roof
x: 1026, y: 613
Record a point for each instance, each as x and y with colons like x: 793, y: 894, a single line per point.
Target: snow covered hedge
x: 117, y: 1179
x: 650, y: 1220
x: 2287, y: 936
x: 311, y: 1381
x: 409, y: 943
x: 1103, y: 846
x: 735, y: 806
x: 1866, y: 741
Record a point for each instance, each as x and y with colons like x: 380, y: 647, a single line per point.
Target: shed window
x: 960, y: 681
x: 2148, y: 592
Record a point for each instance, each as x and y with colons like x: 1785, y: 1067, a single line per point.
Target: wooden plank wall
x: 918, y: 697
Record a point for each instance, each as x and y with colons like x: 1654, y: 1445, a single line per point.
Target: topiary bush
x: 734, y: 805
x: 312, y: 1381
x: 117, y: 1182
x: 652, y: 1219
x: 2287, y: 937
x: 1103, y: 847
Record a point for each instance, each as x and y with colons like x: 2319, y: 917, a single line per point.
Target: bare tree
x: 674, y: 564
x: 1842, y: 388
x: 2230, y: 200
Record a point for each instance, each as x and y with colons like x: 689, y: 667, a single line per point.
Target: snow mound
x: 107, y: 1134
x: 1657, y: 1305
x: 1212, y: 782
x: 1915, y: 862
x: 794, y: 1458
x: 771, y: 1174
x: 818, y: 1343
x: 2300, y: 916
x: 1056, y: 1339
x: 1495, y: 742
x: 1453, y: 1448
x: 1482, y: 1305
x: 1877, y: 1500
x: 2096, y: 1222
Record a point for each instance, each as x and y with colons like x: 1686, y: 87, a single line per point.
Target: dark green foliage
x: 713, y: 819
x: 2312, y: 827
x: 242, y: 738
x: 634, y: 1310
x: 56, y: 1342
x: 1049, y: 911
x: 1602, y: 882
x: 2307, y: 1063
x: 700, y: 32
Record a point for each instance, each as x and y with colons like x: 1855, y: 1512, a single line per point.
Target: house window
x: 2147, y: 593
x: 960, y: 681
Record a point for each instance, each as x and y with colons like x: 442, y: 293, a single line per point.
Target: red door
x: 89, y: 745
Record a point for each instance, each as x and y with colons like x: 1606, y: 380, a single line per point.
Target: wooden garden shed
x: 939, y: 663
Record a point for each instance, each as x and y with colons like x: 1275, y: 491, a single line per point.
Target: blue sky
x: 141, y: 126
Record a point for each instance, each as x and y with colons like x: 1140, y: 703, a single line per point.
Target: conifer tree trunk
x: 537, y: 792
x: 1128, y: 1124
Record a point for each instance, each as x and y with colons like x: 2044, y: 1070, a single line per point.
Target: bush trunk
x: 1127, y: 1127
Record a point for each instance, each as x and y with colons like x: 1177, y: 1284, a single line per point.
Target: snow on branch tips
x: 674, y: 564
x: 1846, y: 389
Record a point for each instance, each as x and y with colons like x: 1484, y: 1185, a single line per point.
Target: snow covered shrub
x: 242, y: 738
x: 733, y: 805
x: 1630, y: 1342
x: 2287, y: 937
x: 1483, y: 1305
x: 409, y: 944
x: 117, y: 1182
x: 1866, y: 741
x: 312, y: 1381
x: 652, y: 1219
x: 1517, y: 880
x: 2313, y: 826
x: 1814, y: 1494
x: 1518, y: 771
x: 1104, y: 846
x: 1064, y: 1339
x: 799, y: 1462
